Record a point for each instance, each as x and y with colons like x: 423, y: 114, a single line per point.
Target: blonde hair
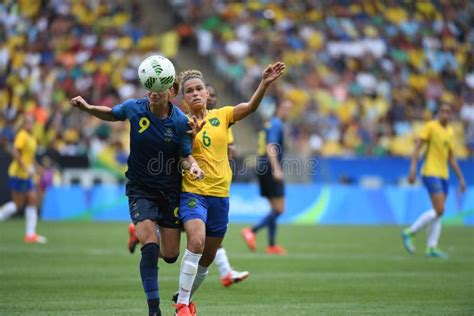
x: 188, y: 75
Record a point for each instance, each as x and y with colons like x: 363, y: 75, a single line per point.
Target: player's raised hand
x: 196, y: 126
x: 80, y: 103
x: 273, y: 72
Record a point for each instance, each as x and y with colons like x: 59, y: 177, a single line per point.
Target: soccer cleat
x: 182, y: 310
x: 407, y: 241
x: 276, y: 250
x: 132, y: 239
x: 35, y: 239
x: 234, y: 277
x: 249, y: 236
x: 436, y: 253
x: 192, y: 306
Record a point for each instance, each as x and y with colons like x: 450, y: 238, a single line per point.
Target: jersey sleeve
x: 185, y: 145
x: 20, y: 140
x: 228, y: 114
x: 274, y: 131
x: 425, y: 132
x: 122, y: 111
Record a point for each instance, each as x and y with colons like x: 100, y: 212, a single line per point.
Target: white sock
x: 187, y: 274
x: 31, y: 216
x: 222, y: 262
x: 434, y: 231
x: 7, y: 210
x: 424, y: 219
x: 202, y: 273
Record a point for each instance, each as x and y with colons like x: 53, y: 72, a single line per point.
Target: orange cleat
x: 35, y: 239
x: 276, y: 250
x: 133, y: 239
x: 234, y: 277
x: 182, y: 310
x: 249, y: 236
x: 192, y: 308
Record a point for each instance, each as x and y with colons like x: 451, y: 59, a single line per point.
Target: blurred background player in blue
x: 270, y: 177
x: 158, y: 140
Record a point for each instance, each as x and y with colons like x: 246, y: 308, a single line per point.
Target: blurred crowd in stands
x: 363, y: 75
x: 51, y: 51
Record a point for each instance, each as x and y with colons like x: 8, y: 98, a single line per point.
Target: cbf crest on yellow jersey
x: 439, y: 141
x: 26, y: 145
x: 210, y: 151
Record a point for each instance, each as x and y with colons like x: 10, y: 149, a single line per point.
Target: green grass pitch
x: 85, y: 269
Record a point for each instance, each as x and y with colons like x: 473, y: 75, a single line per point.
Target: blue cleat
x: 434, y: 252
x: 407, y: 241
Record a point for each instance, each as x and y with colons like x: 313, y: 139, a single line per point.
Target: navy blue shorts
x: 269, y: 186
x: 436, y: 185
x: 158, y: 206
x: 21, y: 185
x: 213, y: 211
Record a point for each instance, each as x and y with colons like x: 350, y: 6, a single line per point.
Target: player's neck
x: 160, y: 110
x: 199, y: 114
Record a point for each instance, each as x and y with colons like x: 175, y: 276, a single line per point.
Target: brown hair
x: 188, y: 75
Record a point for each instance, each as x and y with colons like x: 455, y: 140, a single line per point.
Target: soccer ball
x: 156, y: 73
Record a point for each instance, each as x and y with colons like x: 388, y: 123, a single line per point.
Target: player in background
x: 158, y: 141
x: 204, y: 207
x: 228, y: 275
x: 270, y: 176
x: 439, y: 137
x: 21, y: 182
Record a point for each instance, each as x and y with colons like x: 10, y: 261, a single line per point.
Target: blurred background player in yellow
x: 204, y: 207
x: 439, y: 138
x: 228, y: 275
x: 270, y: 178
x: 21, y: 181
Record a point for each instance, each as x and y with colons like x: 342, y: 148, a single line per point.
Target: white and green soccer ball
x: 156, y: 73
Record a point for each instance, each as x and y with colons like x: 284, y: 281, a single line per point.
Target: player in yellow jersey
x: 204, y: 205
x: 439, y: 138
x: 228, y: 275
x: 21, y: 172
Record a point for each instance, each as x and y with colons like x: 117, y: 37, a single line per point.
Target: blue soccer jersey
x: 156, y: 145
x: 271, y: 134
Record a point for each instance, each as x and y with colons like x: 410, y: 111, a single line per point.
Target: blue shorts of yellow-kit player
x: 436, y: 185
x: 21, y: 185
x: 212, y: 210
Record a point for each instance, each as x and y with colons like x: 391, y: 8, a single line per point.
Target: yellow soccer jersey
x: 230, y: 135
x: 439, y: 141
x: 26, y: 145
x: 210, y: 151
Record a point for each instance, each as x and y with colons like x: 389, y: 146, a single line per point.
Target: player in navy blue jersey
x: 159, y: 140
x: 270, y: 177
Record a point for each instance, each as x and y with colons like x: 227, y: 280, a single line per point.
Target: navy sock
x: 149, y: 275
x: 272, y: 228
x: 265, y: 221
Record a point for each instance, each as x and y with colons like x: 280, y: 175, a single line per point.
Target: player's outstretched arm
x: 414, y: 160
x: 454, y: 164
x: 270, y: 74
x: 99, y: 111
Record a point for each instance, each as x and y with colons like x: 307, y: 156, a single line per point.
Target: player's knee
x: 439, y: 211
x: 196, y: 245
x: 170, y: 259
